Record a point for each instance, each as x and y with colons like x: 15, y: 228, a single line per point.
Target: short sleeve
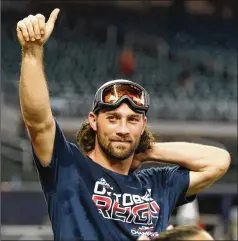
x: 62, y: 159
x: 174, y: 180
x: 177, y: 182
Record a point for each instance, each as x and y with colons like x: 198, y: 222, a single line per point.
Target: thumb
x: 53, y: 17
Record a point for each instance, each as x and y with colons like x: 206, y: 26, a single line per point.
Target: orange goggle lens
x: 114, y: 93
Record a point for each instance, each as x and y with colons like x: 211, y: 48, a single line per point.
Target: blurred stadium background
x: 183, y: 52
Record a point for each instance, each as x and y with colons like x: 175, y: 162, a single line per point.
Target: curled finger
x: 36, y: 27
x: 41, y: 21
x: 21, y: 27
x: 30, y: 29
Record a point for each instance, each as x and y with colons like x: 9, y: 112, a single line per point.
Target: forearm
x: 34, y: 95
x: 196, y: 157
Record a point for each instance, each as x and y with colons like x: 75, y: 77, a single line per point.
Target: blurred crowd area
x: 183, y: 52
x: 183, y: 61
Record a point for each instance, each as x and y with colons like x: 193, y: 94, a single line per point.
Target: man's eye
x: 111, y: 118
x: 133, y: 119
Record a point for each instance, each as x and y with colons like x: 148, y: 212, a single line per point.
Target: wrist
x: 32, y: 51
x: 148, y: 154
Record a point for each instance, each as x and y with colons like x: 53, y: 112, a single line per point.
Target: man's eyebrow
x: 119, y: 115
x: 134, y: 116
x: 112, y: 113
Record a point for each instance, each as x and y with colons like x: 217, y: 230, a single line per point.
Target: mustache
x: 121, y: 139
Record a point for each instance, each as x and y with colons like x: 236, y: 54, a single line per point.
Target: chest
x: 131, y: 206
x: 129, y: 202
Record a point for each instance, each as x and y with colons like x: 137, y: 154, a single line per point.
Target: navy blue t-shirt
x: 88, y: 202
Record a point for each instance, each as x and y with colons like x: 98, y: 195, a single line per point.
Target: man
x: 92, y: 194
x: 184, y: 233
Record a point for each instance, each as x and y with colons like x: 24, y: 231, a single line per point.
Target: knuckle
x: 26, y: 21
x: 33, y: 19
x: 19, y: 24
x: 40, y: 16
x: 21, y: 27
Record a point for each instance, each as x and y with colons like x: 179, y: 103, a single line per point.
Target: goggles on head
x: 113, y: 93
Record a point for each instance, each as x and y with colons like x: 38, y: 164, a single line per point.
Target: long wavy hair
x: 85, y: 138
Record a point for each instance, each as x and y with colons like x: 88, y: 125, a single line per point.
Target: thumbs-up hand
x: 33, y: 30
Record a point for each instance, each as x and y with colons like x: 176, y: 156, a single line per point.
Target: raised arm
x: 206, y: 163
x: 32, y: 33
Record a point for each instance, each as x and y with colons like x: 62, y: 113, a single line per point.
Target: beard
x: 116, y: 151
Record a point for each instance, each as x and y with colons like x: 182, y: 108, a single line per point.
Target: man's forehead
x: 123, y: 110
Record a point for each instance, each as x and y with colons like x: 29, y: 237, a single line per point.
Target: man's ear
x: 144, y: 124
x: 92, y: 120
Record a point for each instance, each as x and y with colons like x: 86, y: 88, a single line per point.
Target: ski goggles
x: 111, y: 95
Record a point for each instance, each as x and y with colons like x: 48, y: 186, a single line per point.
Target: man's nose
x: 123, y: 128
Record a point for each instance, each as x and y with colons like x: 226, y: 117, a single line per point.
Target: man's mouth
x: 121, y: 141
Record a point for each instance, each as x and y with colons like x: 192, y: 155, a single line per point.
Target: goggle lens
x: 112, y: 94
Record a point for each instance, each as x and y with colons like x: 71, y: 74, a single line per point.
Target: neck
x: 121, y: 167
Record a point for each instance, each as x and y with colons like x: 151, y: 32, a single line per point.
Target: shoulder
x: 75, y: 150
x: 158, y: 170
x: 151, y: 175
x: 150, y: 171
x: 161, y: 173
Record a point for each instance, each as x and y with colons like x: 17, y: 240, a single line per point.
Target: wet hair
x: 179, y: 233
x: 85, y: 139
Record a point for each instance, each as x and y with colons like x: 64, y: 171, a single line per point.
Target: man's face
x: 119, y: 131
